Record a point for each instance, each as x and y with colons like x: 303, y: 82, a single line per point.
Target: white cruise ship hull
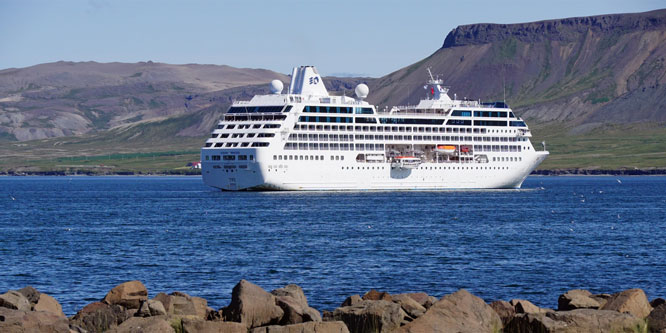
x: 307, y: 139
x: 352, y: 176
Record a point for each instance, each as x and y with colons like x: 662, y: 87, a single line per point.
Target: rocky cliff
x: 579, y: 72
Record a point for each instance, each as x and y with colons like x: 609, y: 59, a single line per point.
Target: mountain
x: 592, y: 87
x: 69, y: 99
x: 580, y: 72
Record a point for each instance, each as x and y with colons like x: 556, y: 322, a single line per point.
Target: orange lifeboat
x: 446, y: 149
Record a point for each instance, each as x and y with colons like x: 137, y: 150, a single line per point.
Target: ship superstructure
x: 306, y: 139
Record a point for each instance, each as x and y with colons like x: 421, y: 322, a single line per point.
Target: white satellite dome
x: 362, y: 91
x: 276, y: 86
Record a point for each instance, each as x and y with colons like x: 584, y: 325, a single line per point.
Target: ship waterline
x: 308, y: 140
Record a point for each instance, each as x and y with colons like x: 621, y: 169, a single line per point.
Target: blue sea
x: 76, y: 238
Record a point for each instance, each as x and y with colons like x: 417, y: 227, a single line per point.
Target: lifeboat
x: 406, y: 162
x: 446, y: 149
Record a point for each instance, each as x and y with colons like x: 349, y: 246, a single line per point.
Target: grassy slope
x: 618, y: 147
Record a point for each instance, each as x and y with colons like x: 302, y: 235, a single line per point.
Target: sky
x: 341, y: 37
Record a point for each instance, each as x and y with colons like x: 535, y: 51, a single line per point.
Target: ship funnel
x: 306, y: 81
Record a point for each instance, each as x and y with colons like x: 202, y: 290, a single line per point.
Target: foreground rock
x: 129, y: 295
x: 12, y: 321
x: 632, y: 301
x: 178, y: 304
x: 291, y: 299
x: 576, y: 299
x: 504, y: 310
x: 310, y: 327
x: 369, y: 316
x: 252, y: 306
x: 657, y: 319
x: 98, y: 317
x: 409, y: 305
x: 138, y: 324
x: 525, y: 306
x: 14, y: 300
x: 580, y: 320
x: 190, y: 325
x: 457, y: 312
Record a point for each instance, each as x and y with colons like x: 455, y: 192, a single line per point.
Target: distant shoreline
x: 544, y: 172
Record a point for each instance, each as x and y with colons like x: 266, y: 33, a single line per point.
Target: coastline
x: 127, y: 308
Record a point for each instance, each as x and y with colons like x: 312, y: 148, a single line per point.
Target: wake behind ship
x: 307, y: 139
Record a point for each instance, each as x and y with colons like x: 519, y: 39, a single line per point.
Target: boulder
x: 631, y: 301
x: 252, y: 306
x: 48, y: 304
x: 156, y: 308
x: 15, y: 300
x: 97, y: 317
x: 525, y: 306
x: 420, y: 298
x: 369, y: 316
x: 430, y: 301
x: 409, y: 305
x: 15, y: 321
x: 310, y: 327
x: 657, y: 302
x: 144, y: 310
x: 294, y: 291
x: 129, y: 295
x: 295, y: 312
x: 657, y: 319
x: 291, y: 299
x: 504, y: 310
x: 145, y: 325
x: 457, y: 312
x: 374, y: 295
x: 601, y: 298
x: 30, y: 293
x: 181, y: 304
x: 194, y: 325
x: 351, y: 300
x: 576, y: 299
x: 574, y: 321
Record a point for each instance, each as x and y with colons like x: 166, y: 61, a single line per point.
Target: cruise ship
x: 307, y: 139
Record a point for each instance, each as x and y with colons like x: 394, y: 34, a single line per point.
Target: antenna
x: 430, y: 73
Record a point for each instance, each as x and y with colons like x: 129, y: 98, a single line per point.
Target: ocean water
x: 75, y: 238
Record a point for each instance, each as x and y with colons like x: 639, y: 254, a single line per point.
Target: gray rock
x: 351, y: 300
x: 193, y: 325
x: 294, y: 291
x: 525, y: 306
x: 15, y: 321
x: 657, y: 302
x: 457, y: 312
x: 310, y: 327
x: 156, y: 308
x: 369, y: 316
x: 657, y: 319
x: 430, y: 301
x: 15, y: 300
x: 179, y: 304
x: 48, y: 304
x: 128, y: 294
x: 574, y: 321
x: 30, y: 293
x: 576, y: 299
x: 252, y: 306
x: 155, y: 324
x: 504, y: 310
x: 97, y: 317
x: 631, y: 301
x: 374, y: 295
x: 409, y: 305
